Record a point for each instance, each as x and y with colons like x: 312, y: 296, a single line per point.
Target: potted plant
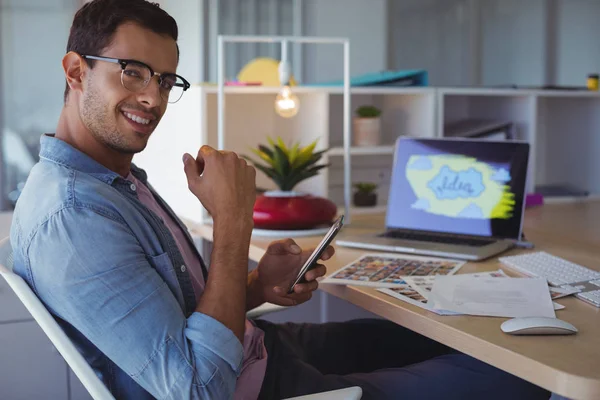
x: 287, y: 166
x: 367, y: 126
x: 365, y: 195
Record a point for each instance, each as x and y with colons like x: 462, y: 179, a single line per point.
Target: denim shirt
x: 110, y: 272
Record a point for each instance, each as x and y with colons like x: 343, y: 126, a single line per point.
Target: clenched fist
x: 224, y: 183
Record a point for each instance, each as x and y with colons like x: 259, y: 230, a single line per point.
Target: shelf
x: 571, y: 199
x: 508, y: 92
x: 414, y: 90
x: 213, y: 89
x: 363, y: 151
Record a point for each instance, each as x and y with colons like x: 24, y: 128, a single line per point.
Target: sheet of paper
x: 509, y: 297
x: 388, y: 270
x: 409, y: 295
x: 416, y: 291
x: 557, y: 293
x: 424, y: 284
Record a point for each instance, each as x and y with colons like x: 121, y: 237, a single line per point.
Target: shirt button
x: 183, y: 268
x: 132, y: 187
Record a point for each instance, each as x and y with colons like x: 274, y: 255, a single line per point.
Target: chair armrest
x: 351, y: 393
x: 264, y: 309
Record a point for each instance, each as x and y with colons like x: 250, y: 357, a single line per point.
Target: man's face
x: 107, y: 107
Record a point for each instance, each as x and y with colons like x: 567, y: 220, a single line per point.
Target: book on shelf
x: 400, y: 78
x: 480, y: 128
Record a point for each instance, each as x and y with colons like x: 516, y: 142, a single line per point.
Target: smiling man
x: 119, y: 272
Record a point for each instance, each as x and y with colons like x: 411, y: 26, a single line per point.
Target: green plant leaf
x: 303, y: 175
x: 368, y: 112
x: 306, y: 153
x: 282, y: 164
x: 311, y: 147
x: 271, y: 174
x: 317, y: 168
x: 287, y: 166
x: 315, y: 157
x: 283, y: 147
x: 365, y: 187
x: 266, y: 150
x: 299, y: 169
x: 263, y: 155
x: 294, y: 153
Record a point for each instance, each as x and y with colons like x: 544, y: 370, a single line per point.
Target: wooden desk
x: 566, y: 365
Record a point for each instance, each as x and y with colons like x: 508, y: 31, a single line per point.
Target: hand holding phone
x: 311, y: 262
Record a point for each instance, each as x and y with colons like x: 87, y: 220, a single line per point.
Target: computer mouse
x: 537, y: 326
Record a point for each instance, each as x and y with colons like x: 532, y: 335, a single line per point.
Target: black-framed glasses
x: 135, y: 76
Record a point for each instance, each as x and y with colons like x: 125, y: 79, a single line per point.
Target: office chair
x: 264, y: 309
x: 67, y: 349
x: 59, y: 339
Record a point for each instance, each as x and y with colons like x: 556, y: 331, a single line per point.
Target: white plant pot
x: 283, y: 193
x: 367, y: 131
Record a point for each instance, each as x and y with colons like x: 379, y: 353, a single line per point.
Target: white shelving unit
x: 362, y: 151
x: 563, y: 129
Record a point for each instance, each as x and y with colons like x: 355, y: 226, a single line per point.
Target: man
x: 119, y: 272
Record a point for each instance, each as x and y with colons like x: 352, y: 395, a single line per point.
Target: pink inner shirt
x: 254, y: 364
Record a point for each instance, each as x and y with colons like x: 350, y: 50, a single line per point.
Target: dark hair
x: 96, y: 22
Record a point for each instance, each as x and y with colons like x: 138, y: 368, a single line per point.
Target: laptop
x: 459, y: 198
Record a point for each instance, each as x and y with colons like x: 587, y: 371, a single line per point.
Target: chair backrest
x: 59, y: 339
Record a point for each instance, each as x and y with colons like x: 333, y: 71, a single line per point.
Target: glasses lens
x: 135, y: 76
x: 171, y: 87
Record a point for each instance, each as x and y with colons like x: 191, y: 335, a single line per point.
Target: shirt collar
x: 60, y: 152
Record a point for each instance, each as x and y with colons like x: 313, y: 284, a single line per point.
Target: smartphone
x: 311, y: 262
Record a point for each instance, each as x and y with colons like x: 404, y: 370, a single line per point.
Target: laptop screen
x: 461, y: 186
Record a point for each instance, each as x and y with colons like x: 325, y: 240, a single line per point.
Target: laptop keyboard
x: 424, y: 237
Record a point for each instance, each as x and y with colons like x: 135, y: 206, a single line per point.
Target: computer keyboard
x: 592, y: 297
x: 556, y: 270
x: 424, y: 237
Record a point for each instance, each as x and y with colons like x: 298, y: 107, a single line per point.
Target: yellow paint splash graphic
x: 460, y: 187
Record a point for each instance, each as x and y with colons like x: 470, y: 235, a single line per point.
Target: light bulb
x: 287, y: 103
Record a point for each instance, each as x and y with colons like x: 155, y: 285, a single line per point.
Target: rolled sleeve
x: 209, y: 335
x: 109, y: 291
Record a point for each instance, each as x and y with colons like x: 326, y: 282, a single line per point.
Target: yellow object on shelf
x: 264, y: 70
x: 592, y: 82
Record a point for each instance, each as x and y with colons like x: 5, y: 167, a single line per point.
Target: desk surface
x: 567, y: 365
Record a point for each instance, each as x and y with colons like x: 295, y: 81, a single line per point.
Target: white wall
x: 189, y: 16
x: 466, y: 42
x: 364, y: 22
x: 432, y: 35
x: 34, y: 38
x: 513, y: 42
x: 497, y: 42
x: 578, y: 44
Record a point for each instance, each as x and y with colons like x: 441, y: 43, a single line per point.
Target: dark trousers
x: 386, y: 360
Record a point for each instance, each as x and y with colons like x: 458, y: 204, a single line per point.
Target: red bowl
x: 290, y: 210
